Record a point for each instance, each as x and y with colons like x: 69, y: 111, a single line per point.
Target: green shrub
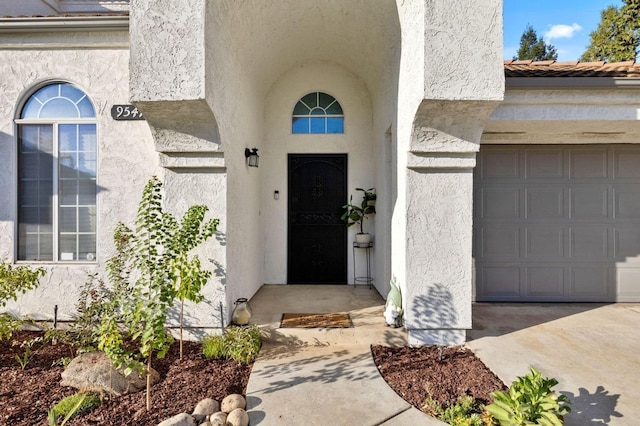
x: 95, y: 300
x: 8, y: 325
x: 465, y: 412
x: 214, y: 347
x: 15, y: 279
x: 72, y: 405
x: 530, y: 400
x: 241, y: 344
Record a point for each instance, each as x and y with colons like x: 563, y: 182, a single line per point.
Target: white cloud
x: 561, y: 31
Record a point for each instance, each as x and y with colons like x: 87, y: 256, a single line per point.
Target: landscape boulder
x: 94, y: 372
x: 231, y: 402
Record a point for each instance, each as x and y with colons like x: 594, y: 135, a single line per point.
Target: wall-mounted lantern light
x: 252, y: 157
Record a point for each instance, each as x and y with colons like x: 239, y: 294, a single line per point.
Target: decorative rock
x: 94, y: 372
x: 182, y: 419
x: 238, y: 417
x: 218, y: 419
x: 231, y: 402
x: 206, y: 407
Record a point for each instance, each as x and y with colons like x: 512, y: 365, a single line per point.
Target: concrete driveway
x: 593, y: 350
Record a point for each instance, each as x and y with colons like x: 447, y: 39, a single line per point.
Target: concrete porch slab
x: 364, y: 305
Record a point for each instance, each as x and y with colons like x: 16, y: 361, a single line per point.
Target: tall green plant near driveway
x: 152, y: 267
x: 530, y: 401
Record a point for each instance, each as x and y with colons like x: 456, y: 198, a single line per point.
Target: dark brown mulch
x: 418, y: 373
x: 26, y: 396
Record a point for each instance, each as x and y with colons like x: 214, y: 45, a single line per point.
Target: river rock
x: 231, y: 402
x: 238, y: 417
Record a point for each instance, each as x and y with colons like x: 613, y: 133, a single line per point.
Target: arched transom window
x: 57, y: 168
x: 317, y: 112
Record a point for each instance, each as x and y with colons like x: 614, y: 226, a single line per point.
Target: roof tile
x: 570, y: 69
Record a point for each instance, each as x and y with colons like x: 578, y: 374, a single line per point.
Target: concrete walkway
x: 324, y: 385
x: 327, y: 376
x: 324, y: 376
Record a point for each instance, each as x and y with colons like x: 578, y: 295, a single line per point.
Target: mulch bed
x: 27, y: 395
x: 418, y: 373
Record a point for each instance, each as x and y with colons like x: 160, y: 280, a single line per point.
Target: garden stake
x: 221, y: 320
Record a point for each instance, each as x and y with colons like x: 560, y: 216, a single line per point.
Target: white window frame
x: 55, y: 123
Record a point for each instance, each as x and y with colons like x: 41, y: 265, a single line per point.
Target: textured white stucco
x: 354, y: 98
x: 463, y: 82
x: 126, y: 159
x: 417, y: 80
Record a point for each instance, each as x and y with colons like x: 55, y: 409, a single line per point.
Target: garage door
x: 557, y: 224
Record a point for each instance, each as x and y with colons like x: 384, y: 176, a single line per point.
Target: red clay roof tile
x: 570, y: 69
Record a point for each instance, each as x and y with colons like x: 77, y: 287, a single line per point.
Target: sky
x: 566, y: 24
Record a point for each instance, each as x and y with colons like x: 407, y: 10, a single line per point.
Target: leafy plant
x: 241, y: 344
x: 187, y: 273
x: 530, y: 400
x: 147, y: 273
x: 62, y: 362
x: 28, y: 353
x: 15, y: 279
x: 356, y: 214
x: 72, y: 405
x: 8, y: 325
x: 464, y: 412
x: 368, y: 194
x: 94, y: 300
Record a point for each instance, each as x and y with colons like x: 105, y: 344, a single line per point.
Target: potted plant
x: 356, y: 214
x: 369, y: 196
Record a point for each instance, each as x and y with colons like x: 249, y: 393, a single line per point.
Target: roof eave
x: 572, y: 82
x: 64, y: 23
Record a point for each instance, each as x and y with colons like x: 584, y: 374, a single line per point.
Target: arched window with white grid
x: 317, y: 112
x: 57, y: 171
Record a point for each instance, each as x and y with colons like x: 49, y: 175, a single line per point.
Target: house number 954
x: 125, y: 112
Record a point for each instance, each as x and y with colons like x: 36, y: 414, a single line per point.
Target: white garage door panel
x: 557, y: 223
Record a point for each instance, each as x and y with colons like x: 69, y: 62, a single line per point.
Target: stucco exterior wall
x: 214, y: 78
x: 462, y: 82
x: 126, y: 158
x: 169, y: 63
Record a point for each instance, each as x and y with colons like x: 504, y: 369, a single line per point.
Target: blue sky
x: 566, y: 24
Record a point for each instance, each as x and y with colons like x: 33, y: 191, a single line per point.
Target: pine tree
x: 532, y: 47
x: 617, y: 37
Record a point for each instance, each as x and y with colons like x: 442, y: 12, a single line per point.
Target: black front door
x: 317, y: 238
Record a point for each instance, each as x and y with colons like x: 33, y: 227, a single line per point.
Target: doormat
x: 316, y: 321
